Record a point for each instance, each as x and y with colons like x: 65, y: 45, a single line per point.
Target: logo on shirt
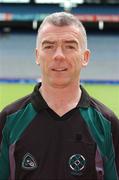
x: 29, y: 162
x: 77, y: 164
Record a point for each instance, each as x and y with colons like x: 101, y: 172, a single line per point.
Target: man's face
x: 60, y: 55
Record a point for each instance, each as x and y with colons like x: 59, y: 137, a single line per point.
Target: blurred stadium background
x: 19, y: 21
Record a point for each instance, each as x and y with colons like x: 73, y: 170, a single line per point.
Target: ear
x: 86, y: 58
x: 37, y: 57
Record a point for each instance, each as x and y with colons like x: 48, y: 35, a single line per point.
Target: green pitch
x: 107, y: 94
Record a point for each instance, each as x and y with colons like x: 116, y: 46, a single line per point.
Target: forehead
x: 52, y: 32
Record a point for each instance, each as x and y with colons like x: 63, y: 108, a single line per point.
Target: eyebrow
x: 71, y: 41
x: 47, y: 42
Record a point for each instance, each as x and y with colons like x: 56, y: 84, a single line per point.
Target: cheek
x: 76, y: 61
x: 44, y: 63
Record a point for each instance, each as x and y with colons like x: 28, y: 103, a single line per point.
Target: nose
x: 59, y: 54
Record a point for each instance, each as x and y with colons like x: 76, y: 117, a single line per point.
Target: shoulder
x: 13, y: 108
x: 16, y: 105
x: 96, y: 107
x: 103, y: 110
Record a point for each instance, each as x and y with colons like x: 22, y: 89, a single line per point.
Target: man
x: 59, y: 132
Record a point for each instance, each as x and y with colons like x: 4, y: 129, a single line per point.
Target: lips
x: 59, y: 69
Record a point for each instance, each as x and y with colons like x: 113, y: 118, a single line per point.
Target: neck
x: 61, y: 100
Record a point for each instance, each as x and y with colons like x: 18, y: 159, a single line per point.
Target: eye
x: 70, y: 47
x: 48, y: 47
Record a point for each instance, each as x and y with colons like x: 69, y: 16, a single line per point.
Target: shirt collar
x: 84, y: 101
x: 39, y: 103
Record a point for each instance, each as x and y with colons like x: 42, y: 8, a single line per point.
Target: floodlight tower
x: 67, y: 5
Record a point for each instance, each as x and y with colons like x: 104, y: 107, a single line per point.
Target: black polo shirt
x: 50, y: 146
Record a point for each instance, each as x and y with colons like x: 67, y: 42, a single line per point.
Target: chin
x: 59, y: 84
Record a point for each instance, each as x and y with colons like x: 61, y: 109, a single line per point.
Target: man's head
x: 61, y: 49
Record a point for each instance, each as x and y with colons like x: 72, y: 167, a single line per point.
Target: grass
x: 107, y: 94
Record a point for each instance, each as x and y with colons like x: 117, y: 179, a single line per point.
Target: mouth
x: 59, y: 69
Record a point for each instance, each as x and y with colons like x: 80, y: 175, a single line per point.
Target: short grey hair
x: 63, y: 19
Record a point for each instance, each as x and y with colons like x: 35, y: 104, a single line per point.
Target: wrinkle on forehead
x: 60, y: 37
x: 52, y: 32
